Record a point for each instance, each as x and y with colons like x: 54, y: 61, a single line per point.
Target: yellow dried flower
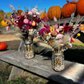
x: 62, y: 32
x: 52, y: 28
x: 25, y: 16
x: 78, y: 34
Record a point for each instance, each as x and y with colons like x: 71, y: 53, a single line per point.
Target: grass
x: 1, y: 26
x: 28, y: 79
x: 78, y: 44
x: 4, y: 75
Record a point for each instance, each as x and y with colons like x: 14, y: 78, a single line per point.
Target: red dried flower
x: 37, y: 20
x: 67, y: 29
x: 20, y: 24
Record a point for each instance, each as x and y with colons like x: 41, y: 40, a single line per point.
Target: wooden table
x: 41, y: 65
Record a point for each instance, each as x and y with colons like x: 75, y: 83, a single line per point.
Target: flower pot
x: 57, y: 61
x: 29, y: 54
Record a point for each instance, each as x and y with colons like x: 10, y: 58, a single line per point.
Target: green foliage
x: 1, y: 11
x: 1, y: 16
x: 17, y: 81
x: 9, y: 14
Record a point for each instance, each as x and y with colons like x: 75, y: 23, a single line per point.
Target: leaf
x: 56, y: 25
x: 55, y: 19
x: 64, y: 23
x: 36, y: 7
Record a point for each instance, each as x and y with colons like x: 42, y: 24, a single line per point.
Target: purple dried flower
x: 42, y: 31
x: 47, y: 26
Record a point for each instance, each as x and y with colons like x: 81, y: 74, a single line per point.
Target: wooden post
x: 21, y: 46
x: 15, y: 73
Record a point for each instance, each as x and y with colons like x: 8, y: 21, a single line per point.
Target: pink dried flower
x: 56, y: 25
x: 7, y: 28
x: 60, y: 27
x: 59, y: 36
x: 26, y: 21
x: 30, y: 12
x: 23, y: 14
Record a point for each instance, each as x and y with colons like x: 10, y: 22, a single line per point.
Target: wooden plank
x: 41, y: 65
x: 61, y: 21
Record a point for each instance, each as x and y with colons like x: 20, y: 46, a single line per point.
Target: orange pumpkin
x: 80, y: 7
x: 3, y: 45
x: 44, y: 14
x: 68, y: 9
x: 54, y: 11
x: 19, y: 12
x: 82, y: 27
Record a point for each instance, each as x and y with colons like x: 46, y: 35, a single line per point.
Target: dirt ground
x: 11, y: 37
x: 8, y: 37
x: 13, y: 42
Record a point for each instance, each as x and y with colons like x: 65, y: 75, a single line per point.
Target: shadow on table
x: 61, y: 80
x: 74, y: 55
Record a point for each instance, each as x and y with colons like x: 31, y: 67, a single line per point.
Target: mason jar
x: 57, y: 61
x: 29, y: 54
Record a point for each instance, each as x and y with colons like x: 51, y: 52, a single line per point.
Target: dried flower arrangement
x: 26, y: 27
x: 59, y: 37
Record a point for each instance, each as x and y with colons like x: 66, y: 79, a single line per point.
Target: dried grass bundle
x: 66, y: 39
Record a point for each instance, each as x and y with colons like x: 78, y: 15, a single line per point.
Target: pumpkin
x: 54, y: 11
x: 80, y: 7
x: 82, y: 28
x: 68, y: 9
x: 44, y: 14
x: 4, y: 23
x: 3, y: 45
x: 19, y: 12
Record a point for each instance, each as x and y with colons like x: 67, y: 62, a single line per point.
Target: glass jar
x: 57, y: 61
x: 29, y: 54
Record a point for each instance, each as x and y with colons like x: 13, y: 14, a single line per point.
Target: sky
x: 4, y: 4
